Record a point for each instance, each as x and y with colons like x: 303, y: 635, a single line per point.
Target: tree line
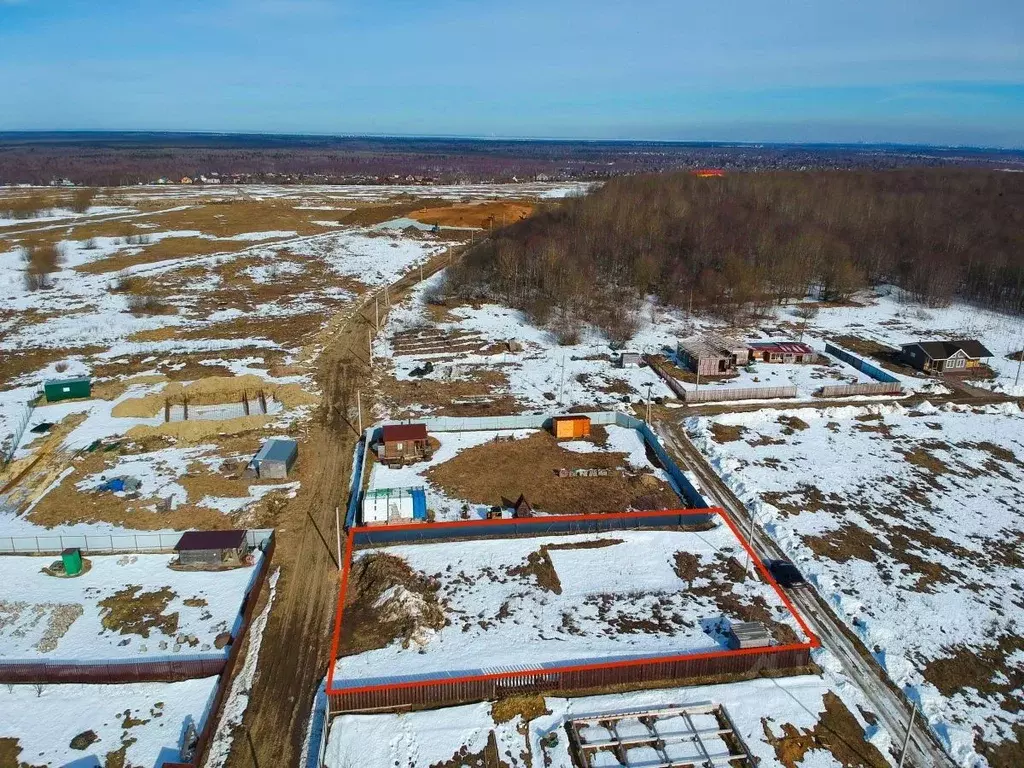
x: 735, y: 246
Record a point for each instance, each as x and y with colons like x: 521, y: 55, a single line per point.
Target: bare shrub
x: 41, y: 262
x: 127, y: 283
x: 806, y: 311
x: 148, y: 304
x: 436, y: 294
x: 23, y: 208
x: 61, y: 366
x: 91, y: 244
x: 82, y: 199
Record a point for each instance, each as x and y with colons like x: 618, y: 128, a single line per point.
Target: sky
x: 928, y: 71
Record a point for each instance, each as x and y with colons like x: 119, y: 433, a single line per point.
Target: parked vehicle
x: 787, y: 574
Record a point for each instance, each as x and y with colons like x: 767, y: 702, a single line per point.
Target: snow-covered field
x: 622, y: 596
x: 145, y: 720
x: 757, y: 708
x: 620, y: 440
x: 911, y: 523
x: 123, y: 607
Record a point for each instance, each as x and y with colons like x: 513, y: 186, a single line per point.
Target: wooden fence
x: 717, y: 394
x: 871, y: 388
x: 676, y: 670
x: 134, y: 671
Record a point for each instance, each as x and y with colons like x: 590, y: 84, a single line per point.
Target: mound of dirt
x: 385, y: 601
x: 480, y: 215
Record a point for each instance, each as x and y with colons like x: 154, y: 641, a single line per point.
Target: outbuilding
x: 403, y: 443
x: 748, y: 634
x: 389, y: 505
x: 570, y: 427
x: 209, y: 549
x: 782, y: 352
x: 275, y: 458
x: 66, y: 389
x: 712, y: 355
x: 629, y: 360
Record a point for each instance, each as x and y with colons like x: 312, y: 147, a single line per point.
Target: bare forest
x: 735, y: 246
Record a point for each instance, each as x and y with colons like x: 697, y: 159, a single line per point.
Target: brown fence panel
x: 444, y: 693
x: 872, y: 388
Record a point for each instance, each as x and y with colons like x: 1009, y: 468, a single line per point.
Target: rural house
x: 570, y: 427
x: 403, y: 443
x: 782, y: 352
x: 945, y: 356
x: 712, y: 355
x: 205, y: 549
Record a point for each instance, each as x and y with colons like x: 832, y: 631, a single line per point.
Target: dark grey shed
x: 275, y: 458
x: 211, y: 548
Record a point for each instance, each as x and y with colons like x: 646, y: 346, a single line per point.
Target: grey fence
x: 846, y: 390
x: 716, y: 394
x: 682, y: 485
x: 19, y: 431
x: 109, y: 544
x: 861, y: 365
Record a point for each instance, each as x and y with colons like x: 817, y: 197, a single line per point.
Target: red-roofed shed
x: 403, y: 443
x: 782, y: 351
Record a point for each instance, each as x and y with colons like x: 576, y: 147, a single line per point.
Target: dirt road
x: 296, y: 642
x: 890, y: 706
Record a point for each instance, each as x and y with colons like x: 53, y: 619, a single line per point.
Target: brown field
x: 489, y: 473
x: 479, y: 215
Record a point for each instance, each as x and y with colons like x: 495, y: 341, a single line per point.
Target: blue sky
x: 930, y: 71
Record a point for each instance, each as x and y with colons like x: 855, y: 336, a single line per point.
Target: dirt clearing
x: 489, y: 473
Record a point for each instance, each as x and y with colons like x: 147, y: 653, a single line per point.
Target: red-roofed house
x: 403, y: 443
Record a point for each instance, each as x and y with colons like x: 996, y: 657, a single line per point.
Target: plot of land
x: 473, y: 471
x: 911, y: 523
x: 123, y: 606
x: 133, y: 724
x: 786, y: 723
x: 459, y: 607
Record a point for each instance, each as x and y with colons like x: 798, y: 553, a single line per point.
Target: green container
x: 66, y: 389
x: 72, y: 559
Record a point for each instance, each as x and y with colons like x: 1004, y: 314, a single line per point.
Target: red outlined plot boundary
x: 770, y: 657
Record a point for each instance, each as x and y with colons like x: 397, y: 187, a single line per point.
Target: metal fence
x: 555, y: 681
x: 861, y: 365
x: 721, y: 394
x: 19, y: 431
x: 107, y: 544
x: 683, y: 486
x: 846, y: 390
x: 164, y: 669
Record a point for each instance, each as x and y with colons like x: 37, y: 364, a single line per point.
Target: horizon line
x: 512, y: 138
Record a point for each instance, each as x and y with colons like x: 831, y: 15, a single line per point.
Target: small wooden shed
x: 66, y: 389
x: 712, y: 355
x: 570, y: 427
x: 203, y: 549
x: 403, y: 443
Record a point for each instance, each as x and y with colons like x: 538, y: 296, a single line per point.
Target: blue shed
x: 275, y: 458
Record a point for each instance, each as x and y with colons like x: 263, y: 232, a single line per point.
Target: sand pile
x: 214, y: 390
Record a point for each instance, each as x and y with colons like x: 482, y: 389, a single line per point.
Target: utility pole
x: 649, y: 386
x: 750, y: 542
x: 561, y: 383
x: 387, y: 296
x: 337, y: 528
x: 906, y: 741
x: 1020, y: 359
x: 359, y: 411
x: 376, y: 313
x: 369, y: 344
x: 421, y: 271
